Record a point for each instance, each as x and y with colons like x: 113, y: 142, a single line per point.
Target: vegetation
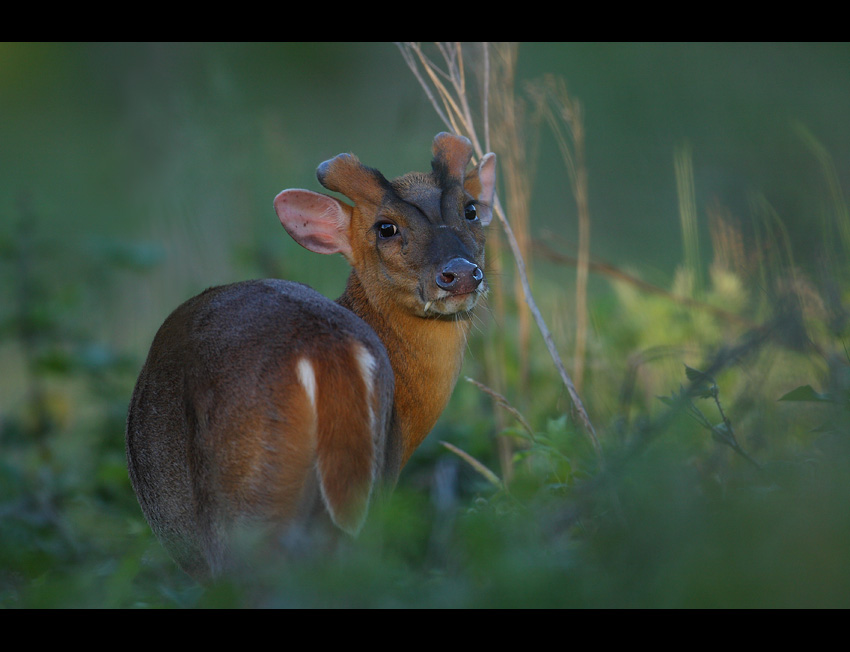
x: 624, y: 445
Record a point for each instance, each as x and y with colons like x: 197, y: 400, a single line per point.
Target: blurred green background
x: 133, y: 176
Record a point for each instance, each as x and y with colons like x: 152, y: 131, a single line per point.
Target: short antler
x: 452, y: 154
x: 346, y: 174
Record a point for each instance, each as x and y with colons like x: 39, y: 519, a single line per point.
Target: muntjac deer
x: 264, y: 404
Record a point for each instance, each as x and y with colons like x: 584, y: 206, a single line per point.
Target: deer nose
x: 460, y: 276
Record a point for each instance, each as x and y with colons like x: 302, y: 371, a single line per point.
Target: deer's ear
x: 315, y: 221
x: 481, y: 184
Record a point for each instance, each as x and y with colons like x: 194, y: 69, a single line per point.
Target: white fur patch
x: 368, y: 365
x: 307, y: 377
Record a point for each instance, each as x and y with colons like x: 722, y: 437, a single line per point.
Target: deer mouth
x: 453, y: 303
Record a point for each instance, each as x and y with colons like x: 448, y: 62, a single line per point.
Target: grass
x: 700, y: 459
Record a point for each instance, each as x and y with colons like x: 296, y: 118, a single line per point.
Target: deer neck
x: 426, y: 355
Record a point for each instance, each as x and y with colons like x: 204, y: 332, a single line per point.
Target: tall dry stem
x: 507, y: 121
x: 564, y: 116
x: 684, y: 168
x: 836, y: 219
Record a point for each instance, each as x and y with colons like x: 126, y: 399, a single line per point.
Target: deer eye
x: 386, y: 229
x: 470, y: 212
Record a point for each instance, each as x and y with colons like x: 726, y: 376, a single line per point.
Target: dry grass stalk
x: 503, y: 402
x: 727, y: 241
x: 608, y: 270
x: 835, y: 222
x: 684, y: 168
x: 456, y: 114
x: 507, y: 117
x: 564, y: 116
x: 475, y: 464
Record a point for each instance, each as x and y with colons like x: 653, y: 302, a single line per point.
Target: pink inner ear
x: 485, y: 187
x: 315, y: 221
x: 487, y: 177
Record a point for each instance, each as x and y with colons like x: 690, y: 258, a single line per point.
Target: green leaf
x: 806, y: 393
x: 704, y: 385
x: 695, y: 375
x: 514, y: 431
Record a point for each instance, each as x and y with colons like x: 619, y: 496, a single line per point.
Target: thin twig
x: 452, y: 109
x: 501, y: 400
x: 411, y: 63
x: 544, y: 331
x: 475, y: 464
x: 485, y: 100
x: 561, y: 110
x: 609, y: 270
x: 728, y: 436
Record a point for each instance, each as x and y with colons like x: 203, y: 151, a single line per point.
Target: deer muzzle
x: 459, y: 276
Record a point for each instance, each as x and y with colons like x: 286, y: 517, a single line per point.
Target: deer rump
x: 306, y: 438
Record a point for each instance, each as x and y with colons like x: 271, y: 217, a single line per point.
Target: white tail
x: 264, y: 404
